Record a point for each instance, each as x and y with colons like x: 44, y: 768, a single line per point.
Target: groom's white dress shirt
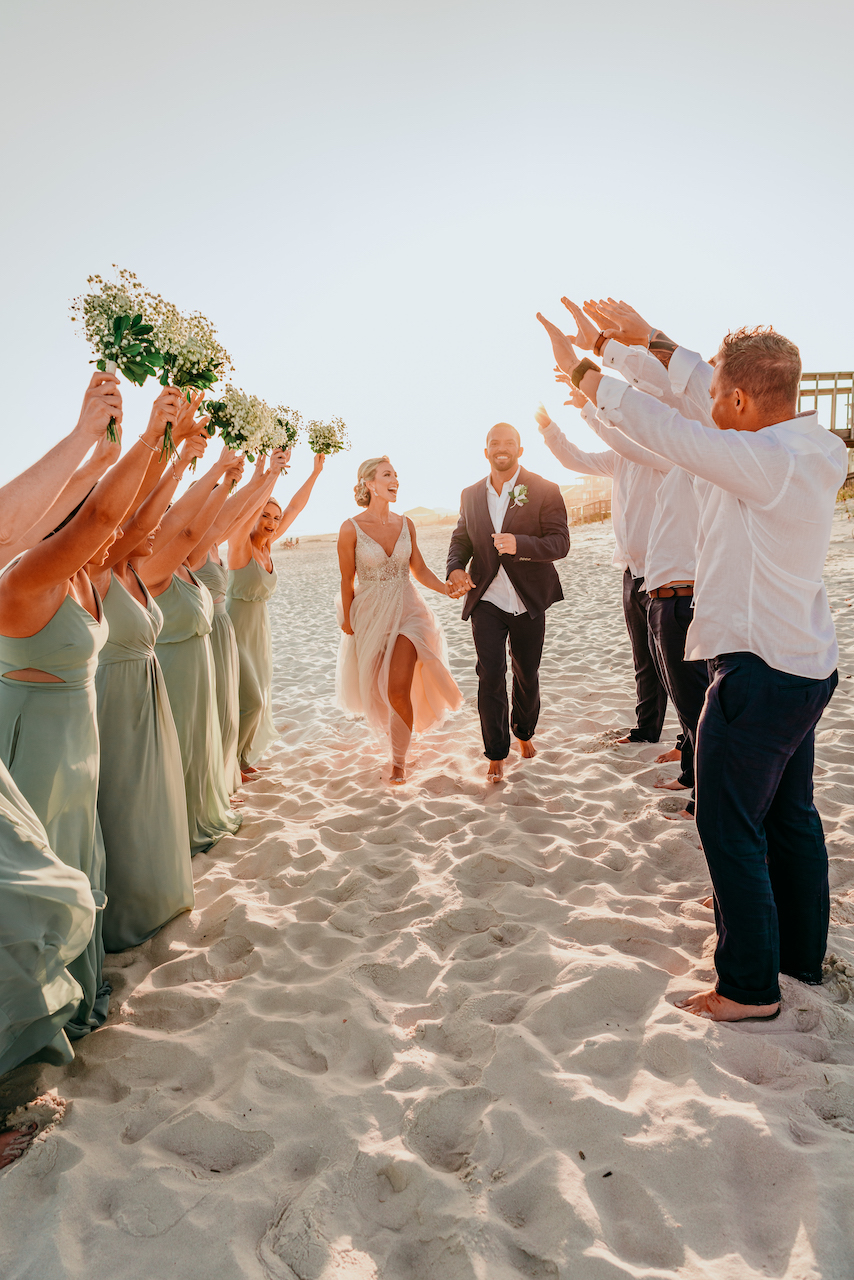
x: 764, y: 529
x: 633, y: 491
x: 501, y: 591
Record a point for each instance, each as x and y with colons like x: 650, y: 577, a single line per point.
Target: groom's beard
x: 502, y: 465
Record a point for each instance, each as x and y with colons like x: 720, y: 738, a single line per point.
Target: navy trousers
x: 491, y: 629
x: 761, y: 833
x: 685, y: 682
x: 652, y: 695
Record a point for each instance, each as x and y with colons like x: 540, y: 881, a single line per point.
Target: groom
x: 512, y: 527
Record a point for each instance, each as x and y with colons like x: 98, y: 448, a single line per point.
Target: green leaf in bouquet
x: 100, y: 364
x: 142, y: 330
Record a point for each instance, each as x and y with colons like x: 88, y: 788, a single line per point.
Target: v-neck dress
x: 226, y: 668
x: 184, y: 652
x: 49, y: 743
x: 249, y: 589
x: 141, y: 800
x: 387, y: 605
x: 47, y: 915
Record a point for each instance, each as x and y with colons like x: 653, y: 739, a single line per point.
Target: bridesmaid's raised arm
x: 300, y: 498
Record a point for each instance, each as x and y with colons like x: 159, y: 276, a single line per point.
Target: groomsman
x: 633, y: 494
x: 762, y: 620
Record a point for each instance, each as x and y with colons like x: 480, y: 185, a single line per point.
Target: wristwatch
x: 580, y: 370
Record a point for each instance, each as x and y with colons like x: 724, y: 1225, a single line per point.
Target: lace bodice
x: 373, y: 566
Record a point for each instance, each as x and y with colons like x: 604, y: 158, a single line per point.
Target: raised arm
x: 183, y: 526
x: 24, y: 500
x: 568, y: 454
x: 300, y: 498
x: 32, y: 589
x: 347, y: 565
x: 150, y: 512
x: 420, y: 571
x: 231, y: 515
x: 620, y: 443
x: 239, y: 538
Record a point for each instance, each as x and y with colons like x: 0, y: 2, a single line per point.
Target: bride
x: 393, y: 660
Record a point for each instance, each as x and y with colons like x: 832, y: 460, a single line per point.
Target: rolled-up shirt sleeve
x: 740, y: 462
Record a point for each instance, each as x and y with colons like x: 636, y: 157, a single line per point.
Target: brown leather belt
x: 667, y: 593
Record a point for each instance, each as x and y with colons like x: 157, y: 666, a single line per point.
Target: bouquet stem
x: 111, y: 425
x: 168, y: 449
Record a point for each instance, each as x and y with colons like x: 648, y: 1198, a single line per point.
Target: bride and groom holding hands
x: 393, y: 660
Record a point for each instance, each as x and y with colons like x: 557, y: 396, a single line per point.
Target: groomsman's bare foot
x: 717, y: 1008
x: 672, y: 784
x: 527, y: 749
x: 398, y: 775
x: 495, y: 772
x: 667, y: 757
x: 683, y: 813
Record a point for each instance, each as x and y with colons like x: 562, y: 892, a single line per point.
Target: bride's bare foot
x: 670, y: 784
x: 495, y: 772
x: 14, y: 1143
x: 667, y: 757
x: 527, y: 749
x: 398, y: 775
x: 717, y: 1008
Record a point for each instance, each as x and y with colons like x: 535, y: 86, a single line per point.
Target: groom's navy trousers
x: 491, y: 630
x: 761, y: 833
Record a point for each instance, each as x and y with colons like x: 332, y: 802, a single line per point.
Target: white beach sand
x: 429, y: 1034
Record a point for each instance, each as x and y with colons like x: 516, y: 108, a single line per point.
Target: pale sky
x: 372, y: 198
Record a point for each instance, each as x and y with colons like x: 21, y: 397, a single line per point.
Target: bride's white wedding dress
x: 387, y: 605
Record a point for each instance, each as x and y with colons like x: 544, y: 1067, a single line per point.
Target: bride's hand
x: 346, y: 628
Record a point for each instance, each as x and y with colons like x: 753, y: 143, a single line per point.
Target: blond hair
x: 761, y: 362
x: 366, y: 472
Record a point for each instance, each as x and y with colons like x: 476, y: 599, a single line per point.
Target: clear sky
x: 372, y: 198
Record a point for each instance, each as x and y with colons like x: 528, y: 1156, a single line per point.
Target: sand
x: 430, y: 1033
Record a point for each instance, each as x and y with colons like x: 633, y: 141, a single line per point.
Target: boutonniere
x: 519, y: 495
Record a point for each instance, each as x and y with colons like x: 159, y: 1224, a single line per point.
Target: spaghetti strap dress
x: 387, y: 605
x: 249, y: 589
x: 47, y: 914
x: 141, y: 792
x: 184, y: 651
x: 226, y: 668
x: 49, y: 743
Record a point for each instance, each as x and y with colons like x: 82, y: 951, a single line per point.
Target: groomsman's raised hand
x: 620, y: 321
x: 587, y: 334
x: 564, y: 352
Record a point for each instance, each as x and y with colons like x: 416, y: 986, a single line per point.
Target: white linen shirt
x: 501, y: 591
x: 633, y: 491
x: 764, y: 530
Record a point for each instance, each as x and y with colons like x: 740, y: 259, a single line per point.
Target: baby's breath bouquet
x: 191, y: 355
x: 244, y: 422
x: 286, y: 431
x: 328, y: 437
x: 114, y: 319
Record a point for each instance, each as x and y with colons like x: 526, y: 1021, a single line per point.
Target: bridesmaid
x: 206, y: 563
x: 251, y: 582
x: 184, y: 651
x: 52, y: 628
x: 141, y: 802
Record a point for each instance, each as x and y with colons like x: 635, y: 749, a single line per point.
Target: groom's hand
x: 505, y: 543
x: 459, y: 583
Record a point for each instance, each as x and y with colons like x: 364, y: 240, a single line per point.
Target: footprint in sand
x: 211, y: 1145
x: 443, y: 1130
x: 168, y: 1010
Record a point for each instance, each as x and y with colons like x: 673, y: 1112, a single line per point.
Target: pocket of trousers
x: 733, y: 693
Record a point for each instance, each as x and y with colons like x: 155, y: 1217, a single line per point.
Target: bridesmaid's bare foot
x: 527, y: 749
x: 247, y: 775
x: 15, y: 1142
x: 495, y: 772
x: 398, y: 775
x: 667, y: 756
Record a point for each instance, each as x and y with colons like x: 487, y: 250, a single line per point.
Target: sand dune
x: 428, y: 1034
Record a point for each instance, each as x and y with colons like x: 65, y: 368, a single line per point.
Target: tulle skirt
x: 380, y: 613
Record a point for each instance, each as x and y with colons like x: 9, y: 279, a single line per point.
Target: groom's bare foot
x: 527, y: 749
x: 398, y: 775
x: 495, y: 772
x: 667, y: 757
x: 717, y: 1008
x: 672, y: 784
x: 15, y: 1142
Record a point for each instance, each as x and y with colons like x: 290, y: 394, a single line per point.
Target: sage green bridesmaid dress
x: 141, y: 793
x: 49, y: 743
x: 226, y: 668
x: 47, y: 914
x: 249, y: 589
x: 184, y: 651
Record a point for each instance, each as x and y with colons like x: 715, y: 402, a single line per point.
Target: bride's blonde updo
x: 367, y: 471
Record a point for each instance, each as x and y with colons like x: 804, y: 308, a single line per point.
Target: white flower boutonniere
x: 519, y: 495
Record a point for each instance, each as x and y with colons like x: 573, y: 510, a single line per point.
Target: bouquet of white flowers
x: 114, y: 319
x: 243, y: 421
x: 289, y: 424
x: 328, y: 437
x: 191, y: 356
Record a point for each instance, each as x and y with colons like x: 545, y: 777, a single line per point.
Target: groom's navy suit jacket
x: 542, y: 536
